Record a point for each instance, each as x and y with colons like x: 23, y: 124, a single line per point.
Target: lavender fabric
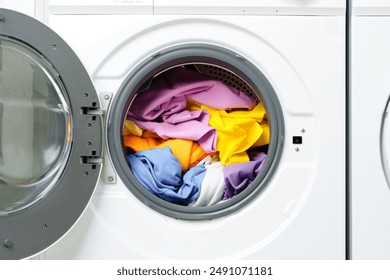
x: 159, y: 171
x: 191, y: 125
x: 239, y: 175
x: 168, y: 92
x: 165, y: 102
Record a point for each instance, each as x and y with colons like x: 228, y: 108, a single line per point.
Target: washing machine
x: 369, y: 94
x: 68, y: 189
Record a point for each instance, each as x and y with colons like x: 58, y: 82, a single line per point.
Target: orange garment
x: 188, y: 152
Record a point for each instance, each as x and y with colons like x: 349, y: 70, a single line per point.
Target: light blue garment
x: 159, y: 171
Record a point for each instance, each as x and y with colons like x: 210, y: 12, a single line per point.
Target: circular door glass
x: 35, y: 126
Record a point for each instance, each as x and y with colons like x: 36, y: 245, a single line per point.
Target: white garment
x: 211, y: 190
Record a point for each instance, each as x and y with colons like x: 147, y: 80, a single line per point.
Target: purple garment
x: 192, y: 125
x: 239, y: 175
x: 168, y: 92
x: 165, y: 102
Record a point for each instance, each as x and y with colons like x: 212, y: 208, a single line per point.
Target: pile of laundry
x: 192, y: 140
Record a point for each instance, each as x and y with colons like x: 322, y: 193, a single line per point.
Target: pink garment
x: 161, y: 108
x: 168, y: 92
x: 185, y: 125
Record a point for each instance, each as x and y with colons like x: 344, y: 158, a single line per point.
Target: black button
x: 297, y: 139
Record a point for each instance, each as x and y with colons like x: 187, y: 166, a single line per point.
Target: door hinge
x: 92, y: 111
x: 91, y: 160
x: 94, y: 147
x: 105, y: 100
x: 108, y: 174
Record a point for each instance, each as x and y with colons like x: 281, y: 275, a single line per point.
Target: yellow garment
x: 237, y: 130
x: 264, y: 138
x: 131, y: 128
x: 188, y: 152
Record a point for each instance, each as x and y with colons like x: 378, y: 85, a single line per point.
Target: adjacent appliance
x: 369, y: 126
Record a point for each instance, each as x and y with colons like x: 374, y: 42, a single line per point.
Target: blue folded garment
x: 160, y: 172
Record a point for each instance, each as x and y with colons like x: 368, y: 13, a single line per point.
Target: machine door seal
x: 46, y: 96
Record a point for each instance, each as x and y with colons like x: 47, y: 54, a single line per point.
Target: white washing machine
x: 370, y: 93
x: 82, y: 201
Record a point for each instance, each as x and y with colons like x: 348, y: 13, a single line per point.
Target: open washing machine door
x: 50, y: 136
